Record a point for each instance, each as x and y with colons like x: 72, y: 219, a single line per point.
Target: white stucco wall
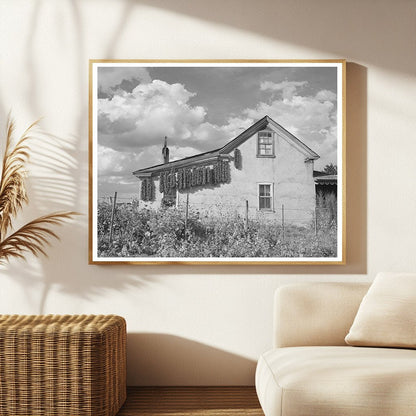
x: 204, y: 324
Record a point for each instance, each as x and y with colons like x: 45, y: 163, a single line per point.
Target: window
x: 265, y: 144
x: 265, y: 196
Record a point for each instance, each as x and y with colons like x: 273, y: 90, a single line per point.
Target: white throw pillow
x: 387, y: 314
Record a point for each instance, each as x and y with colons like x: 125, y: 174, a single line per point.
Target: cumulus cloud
x: 131, y: 121
x: 327, y: 148
x: 115, y: 168
x: 112, y: 79
x: 179, y: 152
x: 286, y: 88
x: 132, y: 124
x: 303, y: 115
x: 113, y: 163
x: 326, y: 95
x: 134, y: 121
x: 312, y: 119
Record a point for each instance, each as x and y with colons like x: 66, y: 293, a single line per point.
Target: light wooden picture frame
x: 217, y: 162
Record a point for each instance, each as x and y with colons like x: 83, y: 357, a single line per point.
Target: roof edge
x: 246, y: 134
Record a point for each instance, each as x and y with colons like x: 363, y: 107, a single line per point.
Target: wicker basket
x: 72, y: 365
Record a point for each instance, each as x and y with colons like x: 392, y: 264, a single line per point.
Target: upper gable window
x: 265, y: 144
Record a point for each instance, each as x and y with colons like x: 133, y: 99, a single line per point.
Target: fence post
x: 186, y: 212
x: 316, y: 221
x: 113, y: 210
x: 283, y: 221
x: 246, y: 217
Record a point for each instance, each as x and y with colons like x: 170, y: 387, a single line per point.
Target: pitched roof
x: 326, y: 179
x: 230, y: 146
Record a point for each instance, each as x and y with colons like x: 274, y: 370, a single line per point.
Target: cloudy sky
x: 201, y: 109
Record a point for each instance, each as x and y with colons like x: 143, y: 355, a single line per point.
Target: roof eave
x: 147, y: 172
x: 309, y: 159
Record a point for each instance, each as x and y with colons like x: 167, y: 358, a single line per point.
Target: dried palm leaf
x: 33, y: 237
x: 12, y: 183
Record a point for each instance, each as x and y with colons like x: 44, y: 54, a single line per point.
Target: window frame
x: 259, y: 154
x: 271, y: 197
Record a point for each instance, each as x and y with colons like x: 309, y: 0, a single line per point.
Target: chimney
x: 165, y: 151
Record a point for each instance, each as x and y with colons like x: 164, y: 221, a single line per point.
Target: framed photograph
x: 217, y: 162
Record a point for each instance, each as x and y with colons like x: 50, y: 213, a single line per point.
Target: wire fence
x: 281, y: 217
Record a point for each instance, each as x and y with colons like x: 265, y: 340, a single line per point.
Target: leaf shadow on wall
x: 53, y: 186
x: 336, y: 27
x: 59, y: 181
x: 164, y: 359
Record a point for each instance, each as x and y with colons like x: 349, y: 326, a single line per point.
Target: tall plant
x: 34, y: 236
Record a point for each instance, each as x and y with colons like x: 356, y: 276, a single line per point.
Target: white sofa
x: 311, y: 371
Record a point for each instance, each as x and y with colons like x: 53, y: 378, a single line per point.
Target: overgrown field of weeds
x: 162, y: 233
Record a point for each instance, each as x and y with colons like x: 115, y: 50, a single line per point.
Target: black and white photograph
x: 217, y: 162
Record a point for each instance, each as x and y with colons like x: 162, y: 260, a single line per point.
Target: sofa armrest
x: 315, y: 313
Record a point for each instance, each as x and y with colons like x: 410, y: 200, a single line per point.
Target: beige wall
x: 205, y: 325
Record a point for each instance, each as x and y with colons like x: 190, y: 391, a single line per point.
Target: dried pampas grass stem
x: 34, y: 236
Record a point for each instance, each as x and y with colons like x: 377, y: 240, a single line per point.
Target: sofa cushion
x: 315, y: 314
x: 342, y: 381
x: 387, y: 314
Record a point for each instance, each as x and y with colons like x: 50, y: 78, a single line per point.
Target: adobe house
x: 264, y: 171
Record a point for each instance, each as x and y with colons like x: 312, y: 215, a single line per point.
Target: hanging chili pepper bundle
x: 237, y: 158
x: 162, y: 182
x: 147, y: 192
x: 185, y: 178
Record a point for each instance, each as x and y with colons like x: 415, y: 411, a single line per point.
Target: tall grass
x: 162, y: 233
x: 326, y: 210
